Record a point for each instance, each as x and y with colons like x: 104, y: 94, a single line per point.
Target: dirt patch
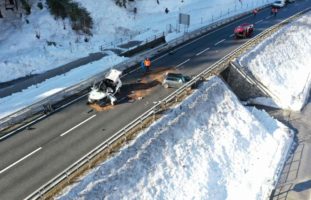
x: 137, y: 90
x: 99, y: 108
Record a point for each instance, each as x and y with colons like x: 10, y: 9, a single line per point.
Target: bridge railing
x: 213, y: 69
x: 38, y: 107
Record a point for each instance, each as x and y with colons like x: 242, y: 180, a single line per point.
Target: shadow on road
x: 302, y: 186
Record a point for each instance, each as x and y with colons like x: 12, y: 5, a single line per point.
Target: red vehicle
x: 244, y: 30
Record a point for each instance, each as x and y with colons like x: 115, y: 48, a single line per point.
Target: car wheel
x: 165, y: 85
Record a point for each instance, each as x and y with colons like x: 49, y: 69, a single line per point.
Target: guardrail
x: 37, y: 107
x: 215, y: 68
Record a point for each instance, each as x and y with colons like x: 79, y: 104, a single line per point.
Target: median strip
x: 20, y: 160
x: 76, y: 126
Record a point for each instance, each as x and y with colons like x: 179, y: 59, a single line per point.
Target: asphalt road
x: 37, y: 154
x: 17, y: 85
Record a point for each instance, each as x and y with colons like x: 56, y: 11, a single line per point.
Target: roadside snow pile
x: 45, y: 43
x: 208, y: 147
x: 282, y: 63
x: 35, y: 93
x: 22, y: 53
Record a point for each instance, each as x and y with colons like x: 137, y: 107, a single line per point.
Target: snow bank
x: 35, y: 93
x: 22, y: 53
x: 282, y: 63
x: 208, y: 147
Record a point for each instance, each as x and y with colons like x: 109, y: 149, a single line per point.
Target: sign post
x: 185, y: 20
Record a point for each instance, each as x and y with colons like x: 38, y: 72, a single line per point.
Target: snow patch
x: 282, y: 63
x: 208, y: 147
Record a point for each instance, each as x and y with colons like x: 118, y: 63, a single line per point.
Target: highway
x: 38, y: 153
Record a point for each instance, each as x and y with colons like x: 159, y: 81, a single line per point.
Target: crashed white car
x: 107, y: 88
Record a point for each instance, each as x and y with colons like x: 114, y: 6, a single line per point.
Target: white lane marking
x: 160, y: 57
x: 182, y: 63
x: 202, y: 51
x: 231, y: 35
x: 41, y: 117
x: 258, y: 21
x: 20, y: 160
x: 182, y: 46
x: 217, y: 43
x: 136, y: 69
x: 268, y: 17
x: 76, y: 126
x: 217, y: 29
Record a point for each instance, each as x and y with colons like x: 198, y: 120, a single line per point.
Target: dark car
x: 174, y: 80
x: 244, y: 30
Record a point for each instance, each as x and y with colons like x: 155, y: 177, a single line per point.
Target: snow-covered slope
x: 208, y: 147
x: 282, y: 63
x: 21, y: 53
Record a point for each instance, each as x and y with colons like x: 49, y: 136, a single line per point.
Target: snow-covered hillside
x: 22, y: 53
x: 282, y: 63
x: 208, y: 147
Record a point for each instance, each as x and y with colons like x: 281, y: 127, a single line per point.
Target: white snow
x: 21, y: 53
x: 282, y: 64
x: 208, y: 147
x: 35, y: 93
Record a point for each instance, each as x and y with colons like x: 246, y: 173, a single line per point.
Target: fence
x: 38, y: 107
x: 213, y: 17
x: 215, y: 68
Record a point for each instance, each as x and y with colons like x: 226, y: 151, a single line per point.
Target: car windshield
x: 170, y: 78
x: 278, y: 2
x: 175, y: 77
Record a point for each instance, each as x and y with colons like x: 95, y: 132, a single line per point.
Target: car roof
x: 113, y: 75
x: 174, y: 74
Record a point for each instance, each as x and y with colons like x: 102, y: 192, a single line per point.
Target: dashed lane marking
x: 39, y: 118
x: 258, y: 21
x: 217, y: 43
x: 76, y: 126
x: 202, y: 51
x: 182, y: 63
x: 20, y: 160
